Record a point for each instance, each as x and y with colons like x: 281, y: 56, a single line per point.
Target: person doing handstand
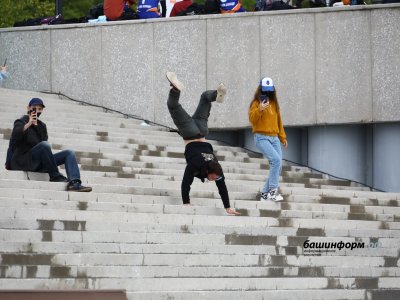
x: 199, y: 154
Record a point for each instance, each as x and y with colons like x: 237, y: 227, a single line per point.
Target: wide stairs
x: 328, y: 239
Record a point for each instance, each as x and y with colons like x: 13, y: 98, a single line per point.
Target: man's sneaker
x: 274, y: 195
x: 75, y: 186
x: 264, y: 196
x: 221, y: 92
x: 59, y: 178
x: 173, y: 80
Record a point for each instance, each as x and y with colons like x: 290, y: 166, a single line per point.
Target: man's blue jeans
x: 270, y: 147
x: 49, y: 162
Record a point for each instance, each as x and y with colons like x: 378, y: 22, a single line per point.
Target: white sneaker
x: 264, y: 196
x: 274, y: 195
x: 221, y: 92
x: 171, y: 76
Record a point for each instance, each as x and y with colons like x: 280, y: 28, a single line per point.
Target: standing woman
x: 265, y: 118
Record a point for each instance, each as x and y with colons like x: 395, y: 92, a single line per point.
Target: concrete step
x: 45, y: 271
x: 283, y: 294
x: 237, y: 244
x: 130, y: 175
x: 242, y: 232
x: 146, y: 206
x: 191, y: 260
x: 55, y: 129
x: 111, y: 178
x: 344, y: 196
x: 233, y: 179
x: 139, y: 174
x: 291, y: 194
x: 299, y: 245
x: 239, y: 234
x: 61, y: 294
x: 81, y: 121
x: 53, y: 247
x: 354, y: 206
x: 143, y: 138
x: 173, y: 204
x: 196, y: 284
x: 89, y: 132
x: 97, y: 124
x: 191, y: 218
x: 56, y: 113
x: 152, y: 196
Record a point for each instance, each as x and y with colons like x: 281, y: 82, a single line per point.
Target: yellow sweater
x: 268, y: 122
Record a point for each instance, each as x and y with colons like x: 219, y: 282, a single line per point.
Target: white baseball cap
x: 267, y: 85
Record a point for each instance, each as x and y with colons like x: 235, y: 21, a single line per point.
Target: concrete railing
x: 331, y: 65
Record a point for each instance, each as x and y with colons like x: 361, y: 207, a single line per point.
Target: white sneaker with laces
x: 221, y: 92
x: 274, y: 195
x: 264, y: 196
x: 171, y: 76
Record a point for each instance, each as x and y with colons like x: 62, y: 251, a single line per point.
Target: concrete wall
x: 386, y: 160
x: 338, y: 150
x: 331, y: 65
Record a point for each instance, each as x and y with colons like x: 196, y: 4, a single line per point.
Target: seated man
x: 30, y: 151
x: 200, y: 158
x: 119, y: 10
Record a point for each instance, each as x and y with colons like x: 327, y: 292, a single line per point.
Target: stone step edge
x: 246, y: 212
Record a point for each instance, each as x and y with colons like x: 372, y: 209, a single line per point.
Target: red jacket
x: 180, y: 7
x: 113, y: 9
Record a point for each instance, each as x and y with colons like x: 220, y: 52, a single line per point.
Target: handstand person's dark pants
x: 191, y: 127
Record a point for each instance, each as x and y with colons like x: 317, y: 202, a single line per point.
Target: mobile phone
x: 33, y: 111
x: 263, y: 98
x: 5, y: 62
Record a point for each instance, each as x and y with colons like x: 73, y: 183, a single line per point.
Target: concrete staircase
x: 132, y: 232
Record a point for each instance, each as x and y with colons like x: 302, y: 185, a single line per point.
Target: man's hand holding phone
x: 33, y: 117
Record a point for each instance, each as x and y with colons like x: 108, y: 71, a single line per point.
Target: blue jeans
x: 49, y: 162
x: 270, y: 147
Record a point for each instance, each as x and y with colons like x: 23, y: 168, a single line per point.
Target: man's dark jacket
x: 198, y: 155
x: 24, y: 141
